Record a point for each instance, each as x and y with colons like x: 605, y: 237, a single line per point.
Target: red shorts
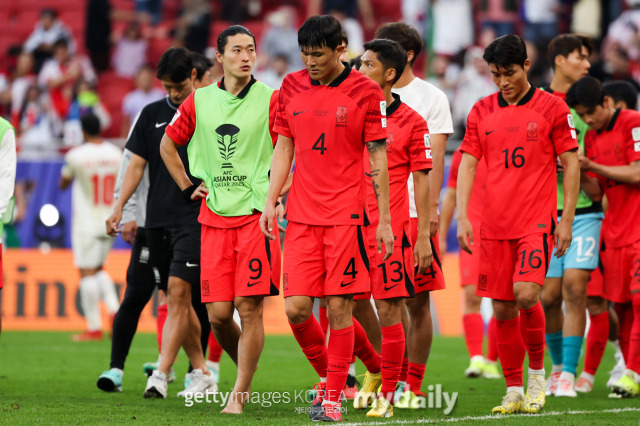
x: 393, y: 277
x: 505, y: 262
x: 621, y: 272
x: 325, y: 260
x: 433, y: 279
x: 469, y: 265
x: 238, y: 262
x: 595, y: 286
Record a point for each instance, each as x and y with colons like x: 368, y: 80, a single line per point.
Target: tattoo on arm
x: 374, y: 174
x: 374, y: 146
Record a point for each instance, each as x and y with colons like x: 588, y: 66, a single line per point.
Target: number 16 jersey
x: 520, y: 144
x: 329, y: 126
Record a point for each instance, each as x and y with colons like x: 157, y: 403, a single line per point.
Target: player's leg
x: 419, y: 340
x: 90, y: 302
x: 250, y: 347
x: 366, y: 316
x: 473, y: 326
x: 322, y: 314
x: 596, y: 342
x: 620, y: 366
x: 402, y: 381
x: 107, y: 288
x: 223, y: 326
x: 214, y: 356
x: 341, y: 344
x: 491, y: 370
x: 551, y: 298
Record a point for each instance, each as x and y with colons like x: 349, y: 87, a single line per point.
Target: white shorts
x: 90, y: 251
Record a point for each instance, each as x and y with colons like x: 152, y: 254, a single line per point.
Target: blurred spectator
x: 414, y: 13
x: 344, y: 56
x: 453, y: 26
x: 131, y: 52
x: 149, y: 10
x: 351, y: 27
x: 281, y: 38
x: 238, y: 11
x: 98, y: 33
x: 85, y: 101
x: 540, y: 21
x: 349, y: 8
x: 275, y: 73
x: 586, y: 18
x: 623, y: 32
x: 37, y: 126
x: 203, y: 66
x: 144, y: 94
x: 61, y: 73
x: 444, y: 75
x: 192, y: 26
x: 621, y: 67
x: 47, y: 31
x: 500, y: 15
x: 23, y: 77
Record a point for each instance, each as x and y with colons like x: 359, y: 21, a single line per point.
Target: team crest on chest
x: 390, y: 139
x: 532, y: 132
x: 341, y: 116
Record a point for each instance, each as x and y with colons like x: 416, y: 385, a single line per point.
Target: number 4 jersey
x: 520, y: 144
x: 93, y: 167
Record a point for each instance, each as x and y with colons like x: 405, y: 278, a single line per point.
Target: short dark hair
x: 403, y: 33
x: 345, y: 38
x: 587, y: 92
x: 223, y: 38
x: 320, y: 31
x: 61, y: 42
x: 506, y: 51
x: 356, y: 62
x: 564, y: 44
x: 175, y: 64
x: 389, y: 53
x: 49, y: 11
x: 90, y: 124
x: 201, y: 63
x: 622, y: 91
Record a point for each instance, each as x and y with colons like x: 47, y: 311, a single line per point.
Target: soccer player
x: 473, y: 325
x: 431, y: 103
x: 519, y: 132
x: 171, y: 226
x: 92, y: 167
x: 226, y: 130
x: 327, y: 113
x: 568, y: 275
x: 623, y: 94
x: 407, y: 153
x: 613, y: 154
x: 7, y: 181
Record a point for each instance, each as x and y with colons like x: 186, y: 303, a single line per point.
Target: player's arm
x: 129, y: 224
x: 65, y: 182
x: 447, y: 208
x: 380, y: 181
x: 571, y: 188
x: 132, y: 178
x: 625, y: 174
x: 280, y: 168
x: 466, y: 177
x: 438, y: 149
x: 423, y: 255
x: 66, y: 174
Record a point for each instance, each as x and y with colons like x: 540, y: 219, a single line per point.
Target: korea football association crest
x: 532, y: 131
x: 227, y: 136
x: 341, y: 116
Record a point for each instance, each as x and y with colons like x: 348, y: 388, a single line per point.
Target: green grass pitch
x: 45, y: 378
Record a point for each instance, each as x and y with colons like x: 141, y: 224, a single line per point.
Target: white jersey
x: 93, y: 167
x: 432, y: 104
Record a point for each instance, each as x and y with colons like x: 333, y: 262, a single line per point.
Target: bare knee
x: 527, y: 294
x: 249, y: 308
x: 339, y: 312
x: 389, y: 311
x: 419, y: 307
x: 298, y: 309
x: 505, y: 309
x: 220, y: 313
x: 471, y: 300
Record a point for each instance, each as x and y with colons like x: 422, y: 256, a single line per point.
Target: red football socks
x: 324, y: 320
x: 596, y: 341
x: 532, y: 325
x: 473, y: 333
x: 405, y: 368
x: 415, y: 374
x: 160, y: 320
x: 511, y: 350
x: 215, y: 350
x: 393, y: 342
x: 311, y: 340
x: 634, y: 340
x: 339, y: 358
x: 625, y: 321
x: 364, y: 350
x: 492, y: 340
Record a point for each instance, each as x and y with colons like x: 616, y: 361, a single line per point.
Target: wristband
x: 188, y: 192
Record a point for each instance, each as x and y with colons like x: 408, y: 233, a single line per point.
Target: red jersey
x: 408, y: 150
x: 476, y: 203
x: 329, y: 125
x: 182, y: 128
x: 520, y: 144
x: 618, y: 145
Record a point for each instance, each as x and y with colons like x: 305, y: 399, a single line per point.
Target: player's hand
x: 422, y: 255
x: 201, y: 192
x: 585, y: 163
x: 129, y: 231
x: 442, y: 240
x: 465, y: 235
x: 384, y: 234
x: 562, y: 237
x: 266, y: 221
x: 113, y: 222
x: 434, y: 221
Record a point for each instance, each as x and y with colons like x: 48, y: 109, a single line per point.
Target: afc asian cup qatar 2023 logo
x: 227, y: 136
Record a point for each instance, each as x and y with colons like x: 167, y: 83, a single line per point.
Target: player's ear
x: 390, y: 74
x: 527, y: 65
x: 410, y: 55
x: 194, y: 74
x: 340, y: 50
x: 608, y: 102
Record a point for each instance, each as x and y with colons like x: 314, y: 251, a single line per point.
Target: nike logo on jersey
x: 192, y: 265
x: 523, y: 272
x: 297, y: 113
x: 346, y: 284
x: 158, y: 125
x: 252, y: 284
x: 389, y: 288
x: 488, y: 133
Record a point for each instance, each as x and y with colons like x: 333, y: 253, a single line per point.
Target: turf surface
x: 46, y: 378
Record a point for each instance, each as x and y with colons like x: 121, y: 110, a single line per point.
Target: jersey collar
x: 526, y: 98
x: 244, y: 91
x: 338, y: 80
x: 394, y: 105
x: 613, y: 120
x: 171, y: 104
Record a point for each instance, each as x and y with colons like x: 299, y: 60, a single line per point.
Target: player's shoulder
x: 297, y: 80
x: 544, y: 100
x: 150, y: 110
x: 487, y: 104
x: 410, y: 115
x: 629, y: 117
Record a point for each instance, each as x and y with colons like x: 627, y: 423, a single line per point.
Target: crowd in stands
x: 99, y: 55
